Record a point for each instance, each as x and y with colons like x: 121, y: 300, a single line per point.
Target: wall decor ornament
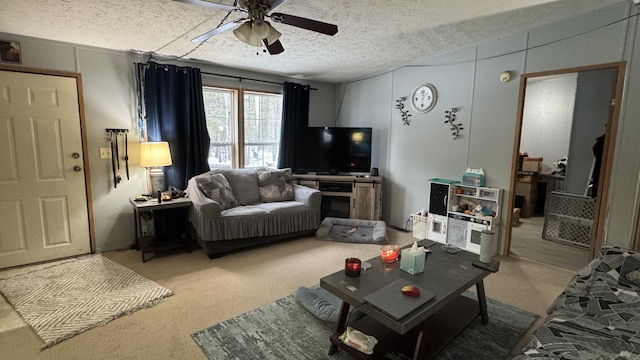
x: 450, y: 118
x: 404, y: 113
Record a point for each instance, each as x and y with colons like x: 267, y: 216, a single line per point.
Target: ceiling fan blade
x: 275, y: 47
x: 273, y: 4
x: 211, y: 5
x: 304, y: 23
x: 228, y: 26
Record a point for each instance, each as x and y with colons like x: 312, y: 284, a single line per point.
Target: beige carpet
x: 73, y: 296
x: 207, y: 292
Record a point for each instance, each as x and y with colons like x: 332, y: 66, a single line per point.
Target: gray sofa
x: 237, y: 208
x: 597, y: 316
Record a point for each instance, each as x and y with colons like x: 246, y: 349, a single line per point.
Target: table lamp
x: 152, y: 156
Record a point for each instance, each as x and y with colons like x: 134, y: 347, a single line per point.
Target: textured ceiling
x: 373, y: 36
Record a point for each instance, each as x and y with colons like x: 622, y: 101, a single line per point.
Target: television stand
x: 354, y: 197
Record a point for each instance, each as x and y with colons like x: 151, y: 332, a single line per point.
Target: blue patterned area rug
x: 285, y: 330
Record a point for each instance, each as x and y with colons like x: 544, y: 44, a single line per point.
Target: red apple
x: 411, y: 290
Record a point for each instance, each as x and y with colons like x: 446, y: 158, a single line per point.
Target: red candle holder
x: 352, y: 267
x: 389, y: 253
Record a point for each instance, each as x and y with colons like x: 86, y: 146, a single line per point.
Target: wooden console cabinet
x: 362, y: 193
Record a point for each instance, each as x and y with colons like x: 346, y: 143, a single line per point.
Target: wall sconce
x: 153, y: 155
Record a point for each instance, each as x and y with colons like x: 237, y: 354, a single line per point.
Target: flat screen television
x: 334, y: 150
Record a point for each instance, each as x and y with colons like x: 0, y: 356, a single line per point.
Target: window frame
x: 238, y: 139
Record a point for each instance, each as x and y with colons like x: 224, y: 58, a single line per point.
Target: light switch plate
x: 105, y: 153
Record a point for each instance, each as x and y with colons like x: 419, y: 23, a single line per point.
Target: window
x: 262, y: 119
x: 244, y: 127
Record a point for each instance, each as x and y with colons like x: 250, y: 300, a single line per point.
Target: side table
x: 149, y: 244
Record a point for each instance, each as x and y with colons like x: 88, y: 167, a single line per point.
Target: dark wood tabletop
x: 446, y: 275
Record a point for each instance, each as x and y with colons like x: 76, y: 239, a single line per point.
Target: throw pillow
x: 217, y: 188
x: 275, y: 185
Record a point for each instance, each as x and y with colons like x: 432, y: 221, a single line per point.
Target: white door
x: 43, y: 202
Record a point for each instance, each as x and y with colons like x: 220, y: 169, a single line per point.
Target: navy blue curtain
x: 175, y: 113
x: 295, y: 119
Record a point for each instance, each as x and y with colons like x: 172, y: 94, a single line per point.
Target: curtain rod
x: 240, y: 78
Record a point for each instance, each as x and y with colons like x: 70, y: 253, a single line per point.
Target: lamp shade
x: 153, y: 154
x: 252, y: 33
x: 261, y: 29
x: 273, y: 34
x: 245, y: 34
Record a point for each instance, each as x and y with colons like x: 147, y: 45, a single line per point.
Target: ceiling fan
x: 253, y: 29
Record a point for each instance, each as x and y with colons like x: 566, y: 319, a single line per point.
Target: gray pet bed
x: 352, y: 230
x: 324, y: 305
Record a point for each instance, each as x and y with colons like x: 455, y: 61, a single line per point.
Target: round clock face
x: 424, y: 98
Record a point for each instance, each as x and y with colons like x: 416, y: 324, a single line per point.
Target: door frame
x: 597, y: 230
x: 83, y: 136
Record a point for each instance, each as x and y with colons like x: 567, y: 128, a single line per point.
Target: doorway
x: 561, y: 113
x: 44, y: 188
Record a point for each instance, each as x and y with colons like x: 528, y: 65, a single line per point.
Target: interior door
x: 43, y: 195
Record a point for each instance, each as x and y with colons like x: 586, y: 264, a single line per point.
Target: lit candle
x: 352, y: 267
x: 389, y: 253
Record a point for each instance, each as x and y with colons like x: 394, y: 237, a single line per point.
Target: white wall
x: 109, y: 102
x: 547, y: 117
x: 406, y: 155
x: 469, y: 80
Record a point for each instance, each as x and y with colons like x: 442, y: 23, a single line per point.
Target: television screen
x: 334, y: 150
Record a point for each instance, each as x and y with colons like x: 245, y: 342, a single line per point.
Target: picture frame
x: 10, y: 51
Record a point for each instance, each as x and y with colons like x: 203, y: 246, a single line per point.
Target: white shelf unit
x: 483, y: 213
x: 466, y: 196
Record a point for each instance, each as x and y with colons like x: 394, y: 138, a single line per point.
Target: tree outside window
x: 262, y: 120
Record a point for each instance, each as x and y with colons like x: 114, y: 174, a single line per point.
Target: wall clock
x: 424, y: 98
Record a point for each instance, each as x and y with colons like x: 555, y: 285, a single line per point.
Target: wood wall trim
x: 514, y: 164
x: 597, y: 236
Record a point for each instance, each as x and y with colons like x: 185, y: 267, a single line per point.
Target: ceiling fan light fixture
x: 246, y: 34
x: 273, y: 35
x: 261, y: 29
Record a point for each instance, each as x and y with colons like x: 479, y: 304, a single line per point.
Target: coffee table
x: 425, y: 330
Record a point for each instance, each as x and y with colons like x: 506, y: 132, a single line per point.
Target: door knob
x: 77, y: 168
x: 75, y: 155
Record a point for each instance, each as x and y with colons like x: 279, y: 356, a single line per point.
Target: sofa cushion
x: 217, y: 188
x: 245, y: 210
x: 275, y: 185
x: 282, y: 207
x: 574, y: 335
x: 596, y: 316
x: 244, y: 183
